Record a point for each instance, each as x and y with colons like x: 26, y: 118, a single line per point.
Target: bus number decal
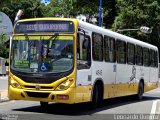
x: 99, y: 72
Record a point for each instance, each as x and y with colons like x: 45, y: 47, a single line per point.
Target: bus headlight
x: 14, y: 84
x: 66, y: 84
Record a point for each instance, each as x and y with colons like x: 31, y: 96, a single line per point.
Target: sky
x: 45, y: 1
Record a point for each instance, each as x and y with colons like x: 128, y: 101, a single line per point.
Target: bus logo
x: 38, y: 87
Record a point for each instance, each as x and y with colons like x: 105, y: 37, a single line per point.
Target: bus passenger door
x: 83, y: 68
x: 122, y: 71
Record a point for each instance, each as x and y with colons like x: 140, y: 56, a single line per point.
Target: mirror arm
x: 81, y: 30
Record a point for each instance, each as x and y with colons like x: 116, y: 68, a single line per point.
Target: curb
x: 3, y: 96
x: 4, y: 100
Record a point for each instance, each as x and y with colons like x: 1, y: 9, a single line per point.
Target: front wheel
x: 44, y: 104
x: 97, y: 96
x: 94, y: 101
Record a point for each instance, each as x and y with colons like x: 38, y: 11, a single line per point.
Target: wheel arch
x: 141, y: 80
x: 100, y: 82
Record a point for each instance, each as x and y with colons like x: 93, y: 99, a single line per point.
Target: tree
x: 31, y: 8
x: 64, y: 8
x: 137, y: 13
x: 73, y: 8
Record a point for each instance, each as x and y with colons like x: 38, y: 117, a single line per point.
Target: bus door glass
x: 83, y: 59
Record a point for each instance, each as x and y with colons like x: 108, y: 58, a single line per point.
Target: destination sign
x: 43, y: 26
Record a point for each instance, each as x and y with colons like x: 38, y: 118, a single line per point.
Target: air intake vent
x: 37, y: 94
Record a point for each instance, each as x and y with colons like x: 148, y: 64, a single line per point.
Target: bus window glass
x: 83, y: 52
x: 139, y: 55
x: 121, y: 51
x: 153, y: 58
x: 146, y: 57
x: 109, y: 49
x: 97, y: 52
x: 131, y: 54
x: 152, y: 62
x: 40, y: 54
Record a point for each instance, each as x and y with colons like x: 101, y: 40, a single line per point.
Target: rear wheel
x: 140, y: 91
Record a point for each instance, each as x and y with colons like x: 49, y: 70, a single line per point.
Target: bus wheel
x: 97, y: 96
x: 94, y: 101
x: 140, y: 91
x: 44, y: 104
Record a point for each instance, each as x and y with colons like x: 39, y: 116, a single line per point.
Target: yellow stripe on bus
x: 42, y: 37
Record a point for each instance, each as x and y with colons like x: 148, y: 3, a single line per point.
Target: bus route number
x: 99, y: 72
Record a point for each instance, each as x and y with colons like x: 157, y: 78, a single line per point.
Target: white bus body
x: 117, y: 79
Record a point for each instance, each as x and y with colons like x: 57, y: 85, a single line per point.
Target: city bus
x: 65, y: 60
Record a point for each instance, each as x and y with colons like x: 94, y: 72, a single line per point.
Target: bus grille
x: 42, y: 87
x: 37, y: 94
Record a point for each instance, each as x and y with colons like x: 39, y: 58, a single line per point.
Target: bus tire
x: 140, y: 91
x: 97, y: 96
x: 44, y: 104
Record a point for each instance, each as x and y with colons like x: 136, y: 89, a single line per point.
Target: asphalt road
x: 111, y: 109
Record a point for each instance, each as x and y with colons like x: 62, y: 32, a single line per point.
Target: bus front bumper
x: 66, y: 96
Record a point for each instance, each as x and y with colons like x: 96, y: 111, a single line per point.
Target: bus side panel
x: 108, y: 76
x: 105, y: 72
x: 153, y: 82
x: 83, y: 94
x: 83, y: 86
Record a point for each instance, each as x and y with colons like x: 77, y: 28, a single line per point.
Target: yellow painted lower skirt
x: 117, y: 90
x: 84, y: 93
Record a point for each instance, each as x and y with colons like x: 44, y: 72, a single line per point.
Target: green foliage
x: 59, y: 8
x: 133, y: 14
x: 4, y: 51
x: 72, y: 8
x: 31, y: 8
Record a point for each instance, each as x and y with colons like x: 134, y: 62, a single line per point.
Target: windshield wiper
x: 54, y: 36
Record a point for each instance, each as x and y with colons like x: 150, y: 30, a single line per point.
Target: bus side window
x: 156, y: 59
x: 84, y: 49
x: 139, y: 55
x: 97, y: 47
x: 121, y: 52
x: 109, y: 49
x: 130, y: 54
x: 146, y: 58
x: 153, y: 58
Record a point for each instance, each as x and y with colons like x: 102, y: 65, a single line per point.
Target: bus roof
x: 47, y: 18
x: 115, y: 35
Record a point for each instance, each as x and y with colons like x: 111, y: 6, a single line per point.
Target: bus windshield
x: 50, y: 54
